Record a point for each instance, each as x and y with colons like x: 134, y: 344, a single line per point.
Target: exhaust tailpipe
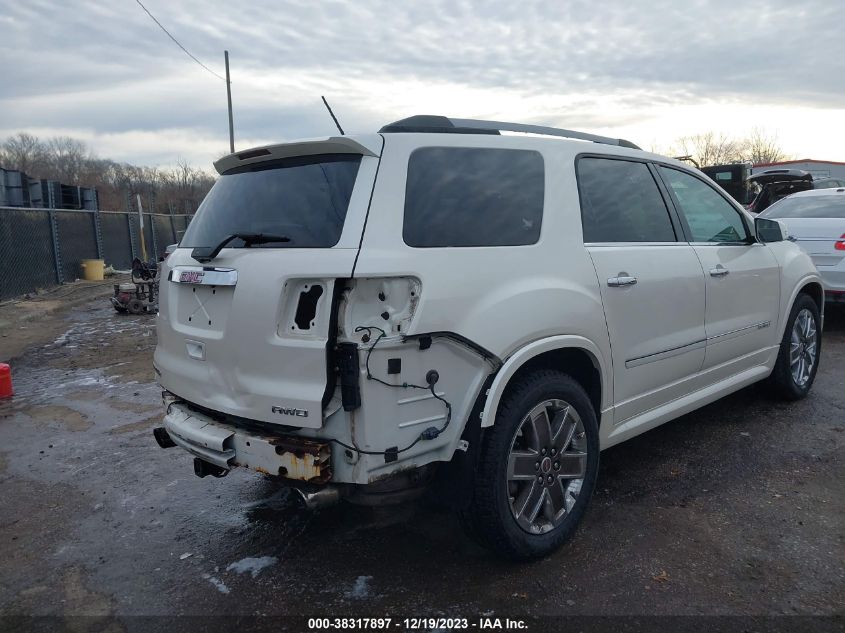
x: 319, y: 498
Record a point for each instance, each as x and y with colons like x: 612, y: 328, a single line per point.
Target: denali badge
x: 301, y: 413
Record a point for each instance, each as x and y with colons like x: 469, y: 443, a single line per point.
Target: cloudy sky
x: 648, y: 70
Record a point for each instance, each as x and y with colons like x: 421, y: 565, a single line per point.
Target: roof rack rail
x: 426, y: 123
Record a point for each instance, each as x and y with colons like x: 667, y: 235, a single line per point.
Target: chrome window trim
x: 725, y: 244
x: 607, y: 244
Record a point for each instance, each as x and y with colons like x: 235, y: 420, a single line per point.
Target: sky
x: 649, y: 71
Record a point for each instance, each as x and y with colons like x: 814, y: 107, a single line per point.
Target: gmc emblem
x: 191, y: 276
x: 300, y: 413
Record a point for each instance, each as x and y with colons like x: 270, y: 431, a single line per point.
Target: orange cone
x: 6, y: 390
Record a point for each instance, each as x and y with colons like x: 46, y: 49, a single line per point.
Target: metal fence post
x: 98, y: 233
x: 132, y: 242
x: 172, y: 224
x: 57, y: 256
x: 153, y: 234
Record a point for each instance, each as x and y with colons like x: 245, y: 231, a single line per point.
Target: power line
x: 187, y: 52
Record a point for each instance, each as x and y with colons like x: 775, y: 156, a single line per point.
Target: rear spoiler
x: 310, y: 147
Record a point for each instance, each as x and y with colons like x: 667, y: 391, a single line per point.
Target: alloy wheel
x: 546, y: 466
x: 803, y: 347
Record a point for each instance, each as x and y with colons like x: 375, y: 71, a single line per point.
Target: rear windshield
x: 303, y: 198
x: 832, y: 206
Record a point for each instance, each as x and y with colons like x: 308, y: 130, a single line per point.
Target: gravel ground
x: 736, y: 509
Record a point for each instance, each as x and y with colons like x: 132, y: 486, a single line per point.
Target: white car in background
x: 816, y: 220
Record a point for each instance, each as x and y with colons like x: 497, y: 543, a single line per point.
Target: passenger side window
x: 620, y: 202
x: 466, y: 196
x: 710, y: 217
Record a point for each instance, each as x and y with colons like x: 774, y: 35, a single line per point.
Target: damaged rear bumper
x: 227, y: 446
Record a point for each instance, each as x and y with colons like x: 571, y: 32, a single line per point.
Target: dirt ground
x: 736, y: 509
x: 38, y: 318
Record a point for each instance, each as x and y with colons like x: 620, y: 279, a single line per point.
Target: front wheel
x: 537, y: 468
x: 800, y: 349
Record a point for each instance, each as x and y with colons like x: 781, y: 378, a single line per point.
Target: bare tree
x: 709, y: 148
x: 762, y: 147
x: 71, y: 162
x: 66, y: 158
x: 23, y: 152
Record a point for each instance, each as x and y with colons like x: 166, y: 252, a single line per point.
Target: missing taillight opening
x: 306, y: 309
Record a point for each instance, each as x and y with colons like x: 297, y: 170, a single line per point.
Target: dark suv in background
x: 774, y: 184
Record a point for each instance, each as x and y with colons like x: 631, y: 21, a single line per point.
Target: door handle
x: 719, y: 271
x: 624, y: 279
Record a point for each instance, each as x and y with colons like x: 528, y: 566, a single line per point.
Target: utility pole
x: 229, y: 97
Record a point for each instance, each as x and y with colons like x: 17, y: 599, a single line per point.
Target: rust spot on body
x: 303, y: 459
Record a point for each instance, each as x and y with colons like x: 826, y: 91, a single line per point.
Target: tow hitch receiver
x: 203, y: 468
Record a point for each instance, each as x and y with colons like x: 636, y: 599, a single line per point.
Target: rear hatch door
x: 246, y: 333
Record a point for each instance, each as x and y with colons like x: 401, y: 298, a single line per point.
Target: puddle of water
x: 252, y: 565
x: 35, y: 385
x: 361, y: 589
x: 219, y: 584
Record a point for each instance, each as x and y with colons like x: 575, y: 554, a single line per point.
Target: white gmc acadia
x: 443, y: 306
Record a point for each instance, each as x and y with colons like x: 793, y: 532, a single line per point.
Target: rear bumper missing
x: 227, y: 446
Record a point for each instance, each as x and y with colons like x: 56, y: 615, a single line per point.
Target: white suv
x: 363, y: 316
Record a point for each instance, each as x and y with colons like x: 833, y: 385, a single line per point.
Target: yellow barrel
x: 92, y: 269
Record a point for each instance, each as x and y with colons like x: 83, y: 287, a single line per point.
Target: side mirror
x: 770, y: 230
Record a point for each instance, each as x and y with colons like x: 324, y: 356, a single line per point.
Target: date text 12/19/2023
x: 417, y: 624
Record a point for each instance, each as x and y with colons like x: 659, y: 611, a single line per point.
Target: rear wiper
x: 207, y: 253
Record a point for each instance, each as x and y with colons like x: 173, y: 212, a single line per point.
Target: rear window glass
x: 303, y: 198
x: 458, y: 196
x: 620, y: 202
x: 832, y: 206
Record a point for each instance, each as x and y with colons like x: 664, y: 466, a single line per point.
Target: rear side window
x: 461, y: 196
x: 303, y: 199
x: 620, y: 202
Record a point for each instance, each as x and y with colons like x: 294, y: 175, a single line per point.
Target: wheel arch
x: 810, y: 286
x: 815, y: 290
x: 576, y: 355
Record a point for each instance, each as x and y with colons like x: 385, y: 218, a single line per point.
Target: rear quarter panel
x: 500, y: 298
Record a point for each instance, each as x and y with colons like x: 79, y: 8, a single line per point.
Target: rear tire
x: 537, y: 468
x: 800, y: 351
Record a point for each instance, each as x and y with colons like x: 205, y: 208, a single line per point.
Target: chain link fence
x: 40, y: 248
